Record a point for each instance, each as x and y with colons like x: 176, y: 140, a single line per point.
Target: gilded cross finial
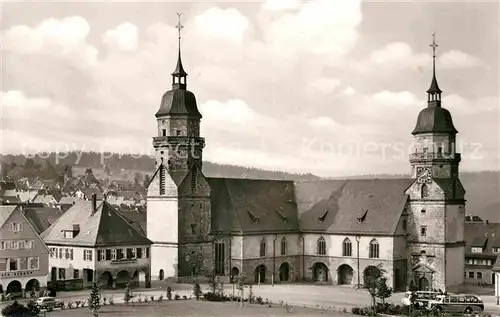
x: 434, y: 45
x: 179, y: 26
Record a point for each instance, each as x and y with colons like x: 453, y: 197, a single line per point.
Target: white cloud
x: 306, y: 29
x: 123, y: 37
x: 398, y: 99
x: 349, y: 91
x: 394, y: 56
x: 278, y: 5
x: 227, y: 24
x: 324, y: 85
x: 460, y: 105
x: 323, y: 122
x: 457, y: 59
x: 65, y: 37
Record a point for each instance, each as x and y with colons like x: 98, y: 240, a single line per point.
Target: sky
x: 328, y: 87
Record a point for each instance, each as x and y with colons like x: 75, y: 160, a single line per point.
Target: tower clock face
x: 424, y: 174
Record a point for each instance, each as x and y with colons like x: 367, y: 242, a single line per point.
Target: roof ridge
x: 120, y: 216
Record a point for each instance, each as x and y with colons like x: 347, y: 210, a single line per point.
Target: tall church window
x: 321, y: 246
x: 283, y: 246
x: 374, y: 249
x: 263, y: 247
x: 347, y: 247
x: 219, y: 257
x: 424, y: 191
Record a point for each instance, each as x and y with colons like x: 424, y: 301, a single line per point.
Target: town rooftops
x: 102, y: 226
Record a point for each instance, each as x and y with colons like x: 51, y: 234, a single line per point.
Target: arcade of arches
x: 16, y: 287
x: 122, y: 278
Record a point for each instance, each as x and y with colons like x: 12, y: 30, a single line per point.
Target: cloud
x: 324, y: 85
x: 349, y: 91
x: 393, y: 56
x: 227, y: 24
x: 65, y: 38
x: 460, y: 105
x: 458, y: 59
x: 278, y: 5
x: 305, y: 29
x: 123, y: 37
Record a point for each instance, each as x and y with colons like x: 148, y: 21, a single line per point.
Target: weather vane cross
x: 434, y: 45
x: 179, y: 26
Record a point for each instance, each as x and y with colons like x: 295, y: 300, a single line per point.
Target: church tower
x: 437, y: 204
x: 178, y: 204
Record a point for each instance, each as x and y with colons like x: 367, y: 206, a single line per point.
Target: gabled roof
x: 5, y: 212
x: 366, y: 206
x: 106, y: 226
x: 42, y: 218
x: 484, y: 235
x: 252, y: 206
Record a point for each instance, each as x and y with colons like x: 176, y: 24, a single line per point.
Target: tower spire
x: 434, y: 93
x: 179, y: 75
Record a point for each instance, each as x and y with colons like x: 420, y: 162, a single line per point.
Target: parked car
x: 48, y: 303
x: 457, y: 303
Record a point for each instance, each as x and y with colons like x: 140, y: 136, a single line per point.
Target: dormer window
x: 363, y: 217
x: 476, y: 250
x: 68, y: 234
x: 423, y: 211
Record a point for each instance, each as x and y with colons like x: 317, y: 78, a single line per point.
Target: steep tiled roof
x: 27, y: 196
x: 44, y: 199
x: 42, y: 218
x: 485, y: 235
x: 369, y: 206
x: 68, y: 200
x: 5, y: 212
x: 244, y: 205
x: 105, y: 226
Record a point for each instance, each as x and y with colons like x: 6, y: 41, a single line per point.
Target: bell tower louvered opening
x: 162, y: 180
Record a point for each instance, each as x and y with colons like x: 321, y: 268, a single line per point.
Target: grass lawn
x: 195, y: 308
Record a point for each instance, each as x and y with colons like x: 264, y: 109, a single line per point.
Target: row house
x: 24, y: 258
x: 93, y: 242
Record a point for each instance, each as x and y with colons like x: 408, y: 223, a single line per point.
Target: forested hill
x: 117, y: 162
x: 482, y: 188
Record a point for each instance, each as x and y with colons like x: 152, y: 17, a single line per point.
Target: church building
x: 328, y: 231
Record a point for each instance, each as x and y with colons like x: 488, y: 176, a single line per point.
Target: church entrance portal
x: 423, y: 284
x: 284, y: 272
x: 345, y: 273
x: 320, y: 272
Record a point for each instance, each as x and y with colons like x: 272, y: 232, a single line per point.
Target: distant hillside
x: 482, y: 188
x: 121, y: 163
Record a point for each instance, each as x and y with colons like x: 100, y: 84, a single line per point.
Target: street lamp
x: 358, y: 286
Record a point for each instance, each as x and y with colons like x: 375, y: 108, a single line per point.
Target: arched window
x: 283, y: 246
x: 374, y: 249
x: 219, y: 257
x: 263, y: 247
x: 321, y: 246
x: 347, y: 247
x: 424, y: 191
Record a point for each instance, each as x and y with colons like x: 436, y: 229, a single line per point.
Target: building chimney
x: 94, y: 203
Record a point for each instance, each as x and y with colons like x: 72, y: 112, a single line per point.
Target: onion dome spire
x: 179, y: 80
x: 434, y: 93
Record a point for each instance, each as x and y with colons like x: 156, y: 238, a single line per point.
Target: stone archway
x: 15, y: 288
x: 371, y: 272
x: 423, y: 284
x: 320, y: 272
x: 105, y: 280
x: 284, y: 272
x: 260, y: 274
x: 122, y: 279
x: 345, y: 274
x: 234, y: 273
x: 32, y: 285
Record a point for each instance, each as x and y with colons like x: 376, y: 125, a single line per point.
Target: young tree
x: 383, y: 290
x: 240, y: 285
x: 95, y: 300
x: 371, y: 283
x: 128, y: 294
